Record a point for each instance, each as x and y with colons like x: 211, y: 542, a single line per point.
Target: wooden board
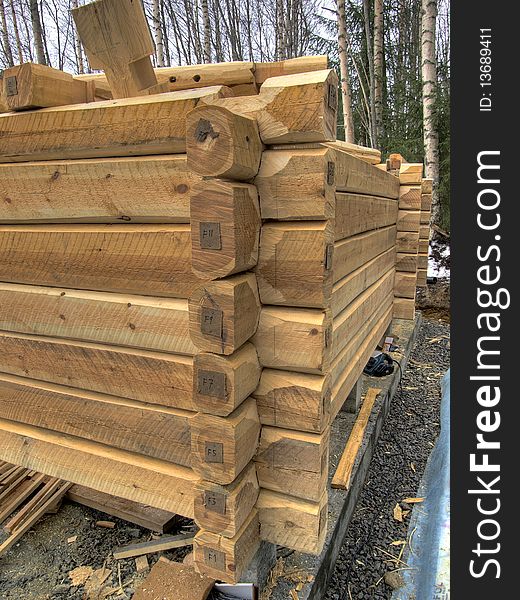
x: 122, y: 423
x: 224, y: 314
x: 293, y: 339
x: 100, y: 467
x: 293, y: 523
x: 426, y: 186
x: 354, y: 172
x: 145, y: 516
x: 295, y: 264
x: 225, y: 228
x: 222, y: 383
x: 407, y: 241
x: 422, y: 277
x: 224, y: 509
x: 296, y: 185
x: 223, y: 446
x: 123, y: 320
x: 422, y: 261
x: 352, y: 253
x: 410, y: 197
x: 349, y: 287
x: 404, y: 308
x: 141, y: 189
x: 293, y: 462
x: 153, y: 377
x: 405, y: 284
x: 130, y: 126
x: 411, y: 173
x: 408, y: 220
x: 290, y: 66
x: 424, y: 246
x: 356, y: 213
x: 152, y: 260
x: 424, y: 232
x: 31, y: 85
x: 426, y: 201
x: 224, y: 558
x: 425, y: 220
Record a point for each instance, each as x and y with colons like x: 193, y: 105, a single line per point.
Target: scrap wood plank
x: 23, y: 492
x: 59, y: 491
x: 343, y: 472
x: 166, y: 542
x: 146, y: 516
x: 8, y: 488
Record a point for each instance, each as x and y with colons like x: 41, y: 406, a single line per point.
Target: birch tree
x: 348, y: 119
x: 378, y: 69
x: 429, y: 93
x: 158, y: 32
x: 206, y: 25
x: 37, y: 32
x: 6, y: 44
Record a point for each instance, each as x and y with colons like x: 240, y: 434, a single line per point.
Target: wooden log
x: 368, y: 155
x: 406, y: 262
x: 408, y: 220
x: 125, y: 127
x: 225, y: 228
x: 31, y: 85
x: 161, y: 484
x: 296, y: 184
x: 122, y: 423
x: 225, y: 559
x: 422, y: 277
x: 153, y: 377
x: 422, y: 261
x: 148, y: 517
x: 141, y: 189
x: 411, y: 173
x: 350, y: 320
x: 426, y: 186
x: 356, y: 213
x: 293, y: 462
x: 223, y: 446
x: 424, y: 246
x: 293, y: 523
x: 407, y: 241
x: 117, y: 40
x: 357, y: 361
x: 291, y: 66
x: 355, y: 171
x: 351, y: 253
x: 405, y: 284
x: 426, y: 201
x: 349, y: 287
x: 303, y: 402
x: 222, y: 383
x: 291, y: 108
x: 224, y: 314
x: 295, y: 263
x: 222, y: 143
x: 294, y: 339
x: 404, y: 308
x: 152, y: 260
x: 124, y: 320
x: 425, y: 220
x: 224, y: 509
x: 165, y: 542
x: 410, y: 197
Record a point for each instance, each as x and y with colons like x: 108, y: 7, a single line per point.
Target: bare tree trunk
x: 77, y: 45
x: 343, y: 67
x: 429, y: 82
x: 158, y: 32
x: 279, y: 30
x: 19, y: 47
x: 372, y: 83
x: 378, y: 69
x: 207, y: 31
x: 5, y: 36
x: 37, y: 32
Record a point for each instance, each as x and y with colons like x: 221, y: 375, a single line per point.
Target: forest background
x: 392, y: 57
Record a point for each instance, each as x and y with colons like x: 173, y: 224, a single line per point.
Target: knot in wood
x: 205, y: 128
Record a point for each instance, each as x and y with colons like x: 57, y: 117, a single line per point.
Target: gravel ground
x: 365, y: 568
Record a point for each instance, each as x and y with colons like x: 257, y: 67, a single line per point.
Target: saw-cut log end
x: 225, y: 228
x: 221, y: 143
x: 224, y: 313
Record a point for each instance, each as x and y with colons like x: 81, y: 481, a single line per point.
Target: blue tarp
x: 427, y: 575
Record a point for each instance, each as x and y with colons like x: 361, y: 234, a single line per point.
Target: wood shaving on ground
x: 79, y: 575
x: 413, y: 500
x: 294, y: 575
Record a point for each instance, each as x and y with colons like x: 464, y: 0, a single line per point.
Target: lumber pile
x: 191, y: 284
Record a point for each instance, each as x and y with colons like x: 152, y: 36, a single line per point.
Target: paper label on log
x: 210, y: 236
x: 211, y: 320
x: 215, y: 558
x: 214, y: 452
x: 331, y: 172
x: 332, y: 97
x: 215, y: 502
x: 11, y: 86
x: 211, y: 383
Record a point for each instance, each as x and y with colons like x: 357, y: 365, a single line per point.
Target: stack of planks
x: 192, y: 283
x: 424, y: 232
